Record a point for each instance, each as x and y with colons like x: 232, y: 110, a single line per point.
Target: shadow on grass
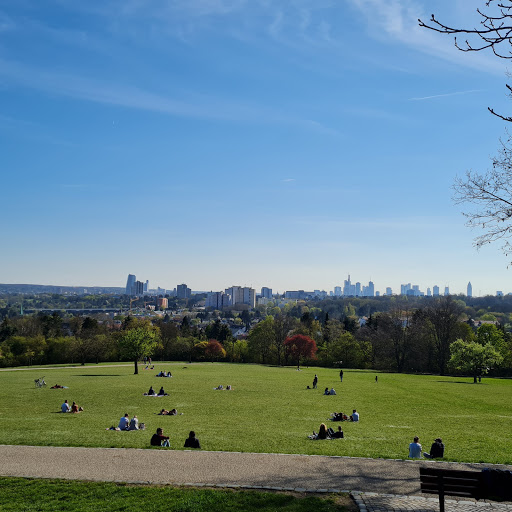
x: 456, y: 382
x: 94, y: 375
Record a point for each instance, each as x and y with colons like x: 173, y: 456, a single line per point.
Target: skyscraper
x: 435, y: 291
x: 446, y: 291
x: 183, y: 292
x: 130, y: 283
x: 470, y: 290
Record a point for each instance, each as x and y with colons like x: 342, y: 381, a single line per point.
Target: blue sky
x: 252, y: 142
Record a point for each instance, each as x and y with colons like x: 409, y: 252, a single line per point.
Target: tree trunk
x: 136, y: 367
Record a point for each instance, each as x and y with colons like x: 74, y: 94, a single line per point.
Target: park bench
x: 452, y: 482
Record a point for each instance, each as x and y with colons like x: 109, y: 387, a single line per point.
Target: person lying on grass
x: 159, y: 439
x: 165, y: 412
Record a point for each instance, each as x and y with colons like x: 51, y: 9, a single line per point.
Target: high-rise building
x: 162, y: 302
x: 389, y: 291
x: 429, y: 293
x: 217, y: 300
x: 435, y: 291
x: 146, y: 286
x: 349, y: 289
x: 138, y: 288
x: 183, y: 292
x: 405, y: 289
x: 242, y: 295
x: 266, y: 292
x: 337, y: 291
x: 129, y: 284
x: 469, y: 292
x: 446, y: 291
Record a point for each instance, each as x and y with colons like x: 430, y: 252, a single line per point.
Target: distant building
x: 435, y: 291
x: 217, y: 300
x: 138, y: 288
x: 349, y: 289
x: 146, y: 286
x: 242, y: 295
x: 266, y: 292
x: 162, y: 302
x: 499, y: 293
x: 130, y: 282
x: 337, y: 291
x: 183, y: 292
x: 446, y: 291
x: 469, y: 292
x: 389, y: 291
x: 429, y: 293
x: 296, y: 295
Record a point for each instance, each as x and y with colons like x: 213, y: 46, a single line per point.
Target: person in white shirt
x: 354, y: 416
x: 134, y: 423
x: 124, y: 422
x: 65, y: 406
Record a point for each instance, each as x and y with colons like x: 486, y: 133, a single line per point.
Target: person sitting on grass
x: 336, y: 435
x: 192, y: 441
x: 161, y: 374
x: 332, y: 392
x: 322, y: 432
x: 415, y: 449
x: 162, y: 392
x: 436, y: 450
x: 134, y: 423
x: 75, y: 409
x: 151, y: 391
x: 354, y: 416
x: 124, y: 422
x: 65, y: 407
x: 159, y: 439
x: 326, y: 392
x: 338, y: 416
x: 169, y: 374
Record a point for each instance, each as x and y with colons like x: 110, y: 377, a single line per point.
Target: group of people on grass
x: 339, y: 416
x: 436, y: 450
x: 158, y: 439
x: 327, y: 433
x: 65, y: 407
x: 220, y: 387
x: 151, y: 392
x: 125, y: 423
x: 163, y: 373
x: 165, y: 412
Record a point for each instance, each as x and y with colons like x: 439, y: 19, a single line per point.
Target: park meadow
x: 269, y: 409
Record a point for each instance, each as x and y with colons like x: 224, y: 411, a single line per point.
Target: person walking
x: 341, y: 375
x: 315, y: 381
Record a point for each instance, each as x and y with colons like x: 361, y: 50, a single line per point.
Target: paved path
x: 292, y: 472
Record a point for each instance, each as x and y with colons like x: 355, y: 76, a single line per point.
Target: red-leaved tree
x: 214, y: 350
x: 300, y: 347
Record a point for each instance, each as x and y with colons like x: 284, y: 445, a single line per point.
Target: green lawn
x: 17, y: 494
x: 268, y: 410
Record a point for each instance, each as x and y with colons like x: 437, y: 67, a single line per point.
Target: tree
x: 474, y: 358
x: 214, y: 350
x: 300, y: 347
x: 490, y: 192
x: 137, y: 343
x: 261, y: 338
x: 442, y: 318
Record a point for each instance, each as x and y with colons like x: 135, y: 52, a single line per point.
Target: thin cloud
x: 458, y: 93
x: 288, y: 180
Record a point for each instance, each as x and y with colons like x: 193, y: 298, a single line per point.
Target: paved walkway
x: 386, y: 485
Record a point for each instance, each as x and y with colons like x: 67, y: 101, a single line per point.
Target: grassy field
x: 17, y: 494
x: 268, y: 410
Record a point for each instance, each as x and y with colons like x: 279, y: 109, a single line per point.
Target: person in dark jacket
x: 192, y: 441
x: 159, y: 439
x: 436, y: 450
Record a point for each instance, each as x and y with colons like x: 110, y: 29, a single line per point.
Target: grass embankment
x: 268, y: 410
x: 18, y: 494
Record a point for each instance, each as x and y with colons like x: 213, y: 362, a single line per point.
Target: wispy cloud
x: 457, y: 93
x: 288, y: 180
x: 397, y: 20
x: 188, y: 105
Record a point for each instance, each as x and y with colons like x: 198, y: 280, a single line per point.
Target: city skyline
x: 277, y: 144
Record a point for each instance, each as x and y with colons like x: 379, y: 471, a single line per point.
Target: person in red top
x: 159, y: 439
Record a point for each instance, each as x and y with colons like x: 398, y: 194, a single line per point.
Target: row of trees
x: 435, y: 339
